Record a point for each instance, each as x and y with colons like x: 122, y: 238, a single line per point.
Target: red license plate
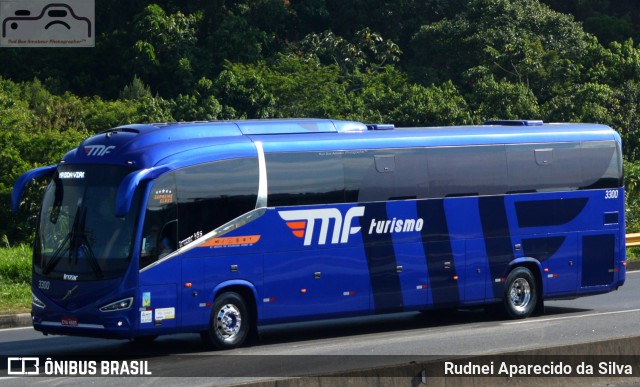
x: 69, y: 321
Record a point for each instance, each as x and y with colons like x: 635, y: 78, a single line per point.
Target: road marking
x: 570, y: 317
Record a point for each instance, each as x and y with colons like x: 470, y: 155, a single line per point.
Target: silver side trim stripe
x: 262, y: 177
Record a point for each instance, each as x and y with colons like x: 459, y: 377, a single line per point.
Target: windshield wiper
x: 57, y: 255
x: 77, y: 239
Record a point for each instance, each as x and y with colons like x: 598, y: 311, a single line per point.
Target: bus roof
x: 146, y: 146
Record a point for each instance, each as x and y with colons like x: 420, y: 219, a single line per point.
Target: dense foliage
x: 408, y: 62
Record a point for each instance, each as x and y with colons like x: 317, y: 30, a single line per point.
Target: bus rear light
x: 36, y: 301
x: 624, y: 264
x: 118, y: 305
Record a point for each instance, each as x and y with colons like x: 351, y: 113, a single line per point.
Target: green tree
x: 492, y: 100
x: 135, y: 90
x: 521, y: 41
x: 165, y: 49
x: 201, y: 105
x: 242, y: 92
x: 368, y: 50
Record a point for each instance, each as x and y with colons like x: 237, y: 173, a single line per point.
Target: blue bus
x: 220, y: 227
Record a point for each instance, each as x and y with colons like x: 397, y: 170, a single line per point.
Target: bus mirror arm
x: 129, y: 185
x: 21, y: 183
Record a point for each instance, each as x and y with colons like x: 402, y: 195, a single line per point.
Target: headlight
x: 36, y: 301
x: 118, y: 305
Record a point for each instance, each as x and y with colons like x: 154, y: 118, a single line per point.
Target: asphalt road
x: 319, y: 347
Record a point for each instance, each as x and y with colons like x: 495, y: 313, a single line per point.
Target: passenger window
x: 385, y: 174
x: 305, y: 178
x: 212, y: 194
x: 601, y: 165
x: 544, y: 167
x: 159, y: 234
x: 467, y: 171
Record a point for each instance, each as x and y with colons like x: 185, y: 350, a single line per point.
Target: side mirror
x: 24, y: 179
x: 129, y: 185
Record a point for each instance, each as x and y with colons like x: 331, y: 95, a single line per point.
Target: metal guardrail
x: 633, y: 240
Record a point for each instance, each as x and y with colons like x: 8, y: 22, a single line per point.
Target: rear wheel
x: 520, y: 293
x: 230, y: 322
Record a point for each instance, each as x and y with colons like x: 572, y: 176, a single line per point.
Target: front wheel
x: 520, y: 293
x: 230, y: 322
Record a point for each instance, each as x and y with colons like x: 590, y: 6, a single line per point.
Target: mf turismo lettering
x: 302, y: 224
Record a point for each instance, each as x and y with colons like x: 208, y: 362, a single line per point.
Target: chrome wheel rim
x: 520, y: 294
x: 228, y: 322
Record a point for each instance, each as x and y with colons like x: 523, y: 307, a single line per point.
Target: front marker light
x: 35, y: 301
x: 118, y: 305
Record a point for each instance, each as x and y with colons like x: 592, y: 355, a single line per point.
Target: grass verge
x: 15, y: 280
x: 633, y: 254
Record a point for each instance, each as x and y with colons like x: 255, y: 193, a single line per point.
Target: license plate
x: 69, y: 321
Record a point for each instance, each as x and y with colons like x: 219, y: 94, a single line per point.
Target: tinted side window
x: 544, y: 167
x: 467, y: 171
x: 212, y: 194
x: 160, y: 223
x: 305, y: 178
x: 601, y: 164
x: 385, y: 174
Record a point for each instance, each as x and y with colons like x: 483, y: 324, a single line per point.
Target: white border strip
x: 262, y: 177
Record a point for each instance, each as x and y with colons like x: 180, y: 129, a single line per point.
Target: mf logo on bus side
x: 302, y: 224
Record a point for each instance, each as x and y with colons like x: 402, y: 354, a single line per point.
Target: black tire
x: 230, y: 322
x: 520, y: 293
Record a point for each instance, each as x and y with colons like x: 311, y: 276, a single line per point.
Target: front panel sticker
x: 145, y: 316
x: 165, y: 314
x: 146, y: 299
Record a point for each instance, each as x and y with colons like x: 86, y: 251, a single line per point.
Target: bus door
x: 158, y: 290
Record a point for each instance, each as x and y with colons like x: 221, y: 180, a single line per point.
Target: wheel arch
x: 246, y: 290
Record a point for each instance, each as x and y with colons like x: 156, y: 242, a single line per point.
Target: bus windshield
x: 79, y: 238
